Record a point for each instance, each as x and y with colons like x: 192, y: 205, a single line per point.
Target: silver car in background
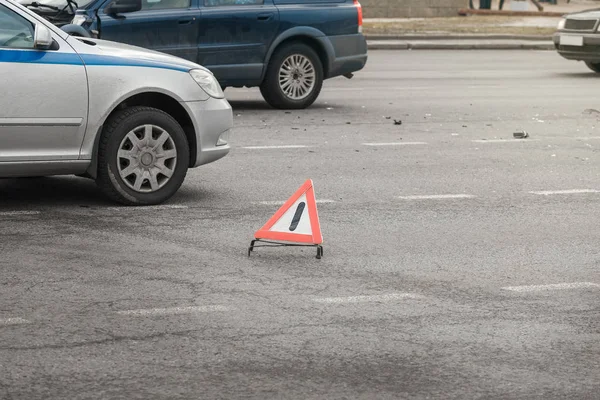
x: 132, y: 119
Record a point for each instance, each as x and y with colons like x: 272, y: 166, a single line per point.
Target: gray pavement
x: 459, y: 263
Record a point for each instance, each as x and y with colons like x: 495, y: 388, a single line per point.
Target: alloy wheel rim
x: 147, y: 158
x: 297, y: 77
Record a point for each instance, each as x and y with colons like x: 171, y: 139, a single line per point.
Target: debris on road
x: 398, y: 122
x: 591, y: 111
x: 521, y: 135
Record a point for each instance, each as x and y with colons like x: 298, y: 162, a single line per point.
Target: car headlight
x: 79, y: 19
x: 208, y: 83
x: 561, y: 24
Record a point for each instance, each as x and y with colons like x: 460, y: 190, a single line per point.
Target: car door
x: 235, y: 36
x: 168, y: 26
x: 44, y: 101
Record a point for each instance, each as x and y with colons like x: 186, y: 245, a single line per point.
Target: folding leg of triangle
x: 296, y: 221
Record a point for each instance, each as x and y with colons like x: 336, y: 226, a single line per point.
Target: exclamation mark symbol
x: 297, y: 216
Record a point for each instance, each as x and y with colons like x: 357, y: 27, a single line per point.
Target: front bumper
x: 213, y: 121
x: 590, y: 51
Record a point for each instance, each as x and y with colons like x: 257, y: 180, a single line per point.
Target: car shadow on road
x: 260, y: 105
x: 586, y: 75
x: 72, y: 191
x: 50, y: 191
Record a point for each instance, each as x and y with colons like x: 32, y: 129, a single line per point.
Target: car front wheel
x: 294, y: 77
x: 143, y: 157
x: 593, y: 66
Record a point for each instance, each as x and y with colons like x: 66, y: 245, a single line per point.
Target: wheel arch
x: 312, y: 37
x: 160, y: 101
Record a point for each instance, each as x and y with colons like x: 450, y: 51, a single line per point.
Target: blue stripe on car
x: 50, y: 57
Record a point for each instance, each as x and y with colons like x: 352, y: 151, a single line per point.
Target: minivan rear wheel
x: 294, y: 77
x: 143, y: 157
x: 593, y: 66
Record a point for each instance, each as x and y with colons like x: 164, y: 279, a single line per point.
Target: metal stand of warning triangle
x: 277, y: 244
x: 295, y: 224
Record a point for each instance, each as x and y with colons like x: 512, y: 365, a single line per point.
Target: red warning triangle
x: 296, y: 221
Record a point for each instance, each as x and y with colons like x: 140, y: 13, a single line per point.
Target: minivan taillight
x: 360, y: 15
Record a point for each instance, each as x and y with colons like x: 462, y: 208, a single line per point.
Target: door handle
x: 186, y: 21
x: 264, y: 17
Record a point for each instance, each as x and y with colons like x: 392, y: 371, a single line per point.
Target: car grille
x: 580, y: 24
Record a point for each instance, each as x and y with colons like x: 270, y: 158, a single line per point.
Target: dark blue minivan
x: 285, y: 47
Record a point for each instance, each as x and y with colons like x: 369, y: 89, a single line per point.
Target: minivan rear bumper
x: 350, y: 53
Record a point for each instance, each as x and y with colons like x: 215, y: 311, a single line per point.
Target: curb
x: 467, y: 11
x: 408, y: 37
x: 460, y: 46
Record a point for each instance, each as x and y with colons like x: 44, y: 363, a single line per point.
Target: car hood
x: 97, y: 50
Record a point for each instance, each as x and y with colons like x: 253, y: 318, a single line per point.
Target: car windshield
x: 57, y: 3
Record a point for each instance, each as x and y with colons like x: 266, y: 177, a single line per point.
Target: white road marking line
x: 289, y: 146
x: 395, y: 144
x: 587, y: 138
x: 13, y: 321
x: 147, y: 208
x: 174, y: 310
x: 504, y: 140
x: 12, y: 213
x: 557, y: 286
x: 367, y: 299
x: 571, y: 191
x: 280, y: 203
x: 437, y: 197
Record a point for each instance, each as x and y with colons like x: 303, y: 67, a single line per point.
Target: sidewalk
x: 472, y: 32
x: 461, y: 44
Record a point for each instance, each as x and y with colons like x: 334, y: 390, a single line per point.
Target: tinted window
x: 15, y: 31
x: 215, y: 3
x: 164, y: 4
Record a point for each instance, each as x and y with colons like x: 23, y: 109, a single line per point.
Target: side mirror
x: 124, y: 6
x: 42, y: 37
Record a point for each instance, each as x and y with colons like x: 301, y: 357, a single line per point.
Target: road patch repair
x: 296, y: 223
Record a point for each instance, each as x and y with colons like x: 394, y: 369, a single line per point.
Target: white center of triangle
x: 295, y: 219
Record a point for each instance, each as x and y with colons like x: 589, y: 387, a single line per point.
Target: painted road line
x: 14, y: 213
x: 13, y: 321
x: 280, y: 203
x: 557, y: 286
x: 571, y: 191
x: 438, y: 197
x: 504, y: 140
x: 149, y: 208
x: 289, y: 146
x: 173, y: 310
x: 395, y: 144
x: 367, y: 299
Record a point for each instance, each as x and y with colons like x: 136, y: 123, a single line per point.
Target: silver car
x: 132, y: 119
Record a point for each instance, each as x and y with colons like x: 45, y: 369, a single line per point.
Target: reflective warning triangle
x: 296, y: 221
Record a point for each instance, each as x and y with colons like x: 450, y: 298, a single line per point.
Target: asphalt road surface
x: 460, y: 263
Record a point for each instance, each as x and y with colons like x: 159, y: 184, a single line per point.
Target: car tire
x: 294, y: 77
x: 138, y: 150
x: 593, y: 66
